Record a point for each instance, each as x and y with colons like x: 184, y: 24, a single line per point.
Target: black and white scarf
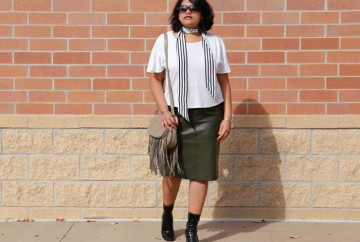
x: 183, y: 69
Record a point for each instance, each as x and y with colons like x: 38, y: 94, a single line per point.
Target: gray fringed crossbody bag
x: 163, y: 145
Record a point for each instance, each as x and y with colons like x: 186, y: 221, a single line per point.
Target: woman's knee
x: 171, y: 180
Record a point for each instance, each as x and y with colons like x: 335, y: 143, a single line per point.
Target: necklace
x: 190, y: 31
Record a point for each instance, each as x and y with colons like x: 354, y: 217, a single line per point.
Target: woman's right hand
x: 168, y: 121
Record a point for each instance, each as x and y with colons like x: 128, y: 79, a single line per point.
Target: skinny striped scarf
x: 183, y: 69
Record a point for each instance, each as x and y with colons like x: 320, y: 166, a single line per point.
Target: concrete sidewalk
x: 114, y: 231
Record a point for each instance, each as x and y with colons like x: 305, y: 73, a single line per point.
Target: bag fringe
x: 163, y: 160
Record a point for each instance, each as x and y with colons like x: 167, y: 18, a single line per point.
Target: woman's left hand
x: 224, y: 131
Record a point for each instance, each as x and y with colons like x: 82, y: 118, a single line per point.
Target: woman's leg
x: 170, y: 187
x: 197, y: 195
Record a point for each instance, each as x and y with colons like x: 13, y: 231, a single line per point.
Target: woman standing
x: 202, y: 98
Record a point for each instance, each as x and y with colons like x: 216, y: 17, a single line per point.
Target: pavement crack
x: 67, y: 232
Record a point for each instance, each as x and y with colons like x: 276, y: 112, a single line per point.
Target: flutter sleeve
x: 222, y: 64
x: 157, y: 57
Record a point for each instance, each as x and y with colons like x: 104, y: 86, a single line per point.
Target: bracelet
x: 164, y: 111
x: 227, y: 119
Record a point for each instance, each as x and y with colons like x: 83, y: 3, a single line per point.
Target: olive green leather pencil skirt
x: 198, y: 147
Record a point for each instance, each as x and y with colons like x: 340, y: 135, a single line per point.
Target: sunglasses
x: 193, y: 9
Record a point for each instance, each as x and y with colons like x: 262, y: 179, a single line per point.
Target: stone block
x: 141, y: 169
x: 13, y: 167
x: 284, y: 141
x: 105, y: 168
x: 127, y: 141
x: 126, y: 194
x: 28, y: 194
x: 226, y: 171
x: 312, y: 121
x: 341, y: 141
x: 233, y: 194
x: 339, y: 195
x: 107, y: 213
x: 350, y: 168
x: 314, y: 168
x: 14, y: 213
x: 53, y: 122
x: 260, y: 213
x: 289, y: 194
x: 104, y: 121
x: 349, y: 121
x: 350, y: 214
x: 79, y: 141
x: 250, y: 121
x: 156, y: 213
x: 259, y: 167
x: 76, y: 194
x: 240, y: 141
x: 26, y: 141
x: 54, y: 167
x: 13, y: 121
x: 55, y: 213
x: 218, y: 213
x: 140, y: 121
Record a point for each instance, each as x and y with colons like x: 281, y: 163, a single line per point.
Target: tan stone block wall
x: 105, y: 168
x: 284, y: 141
x: 127, y: 194
x: 79, y: 194
x: 79, y: 141
x: 48, y: 167
x: 27, y: 194
x: 50, y: 171
x: 13, y: 167
x: 22, y: 141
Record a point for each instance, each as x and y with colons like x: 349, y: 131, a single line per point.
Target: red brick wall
x: 88, y: 57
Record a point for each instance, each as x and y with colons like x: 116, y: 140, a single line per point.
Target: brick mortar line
x: 170, y: 9
x: 159, y: 179
x: 312, y: 195
x: 259, y: 140
x: 311, y: 142
x: 339, y: 168
x: 260, y: 189
x: 144, y: 129
x: 285, y: 168
x: 183, y: 207
x: 80, y: 157
x: 145, y: 155
x: 105, y: 196
x: 54, y: 194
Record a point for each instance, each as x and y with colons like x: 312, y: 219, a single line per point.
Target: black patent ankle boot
x: 167, y: 230
x: 191, y: 228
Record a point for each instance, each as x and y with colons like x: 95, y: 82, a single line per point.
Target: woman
x: 202, y: 98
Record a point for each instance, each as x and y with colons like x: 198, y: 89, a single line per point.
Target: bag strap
x: 167, y: 77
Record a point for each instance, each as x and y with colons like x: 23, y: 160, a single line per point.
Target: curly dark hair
x: 207, y: 14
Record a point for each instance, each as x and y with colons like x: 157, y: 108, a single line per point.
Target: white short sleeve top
x: 198, y: 95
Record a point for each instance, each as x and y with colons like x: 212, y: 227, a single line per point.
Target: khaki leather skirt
x: 198, y: 147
